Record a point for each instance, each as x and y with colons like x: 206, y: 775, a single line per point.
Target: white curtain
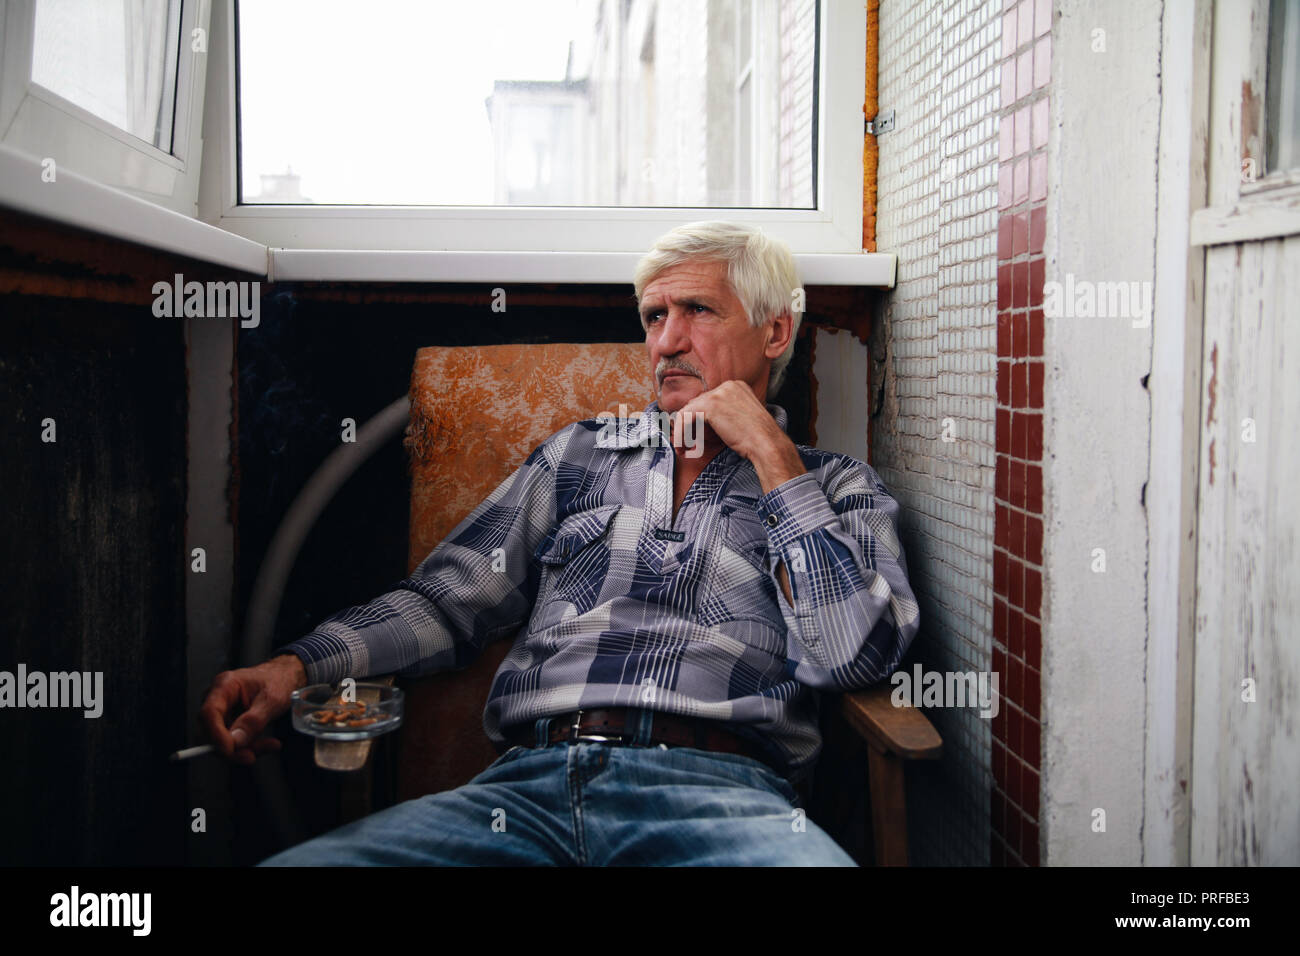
x: 114, y: 58
x: 151, y: 67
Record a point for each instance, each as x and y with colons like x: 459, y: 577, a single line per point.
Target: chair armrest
x: 347, y: 755
x: 904, y: 731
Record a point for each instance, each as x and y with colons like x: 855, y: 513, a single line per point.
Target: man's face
x: 698, y: 335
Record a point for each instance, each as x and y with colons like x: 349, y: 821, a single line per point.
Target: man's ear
x: 778, y: 339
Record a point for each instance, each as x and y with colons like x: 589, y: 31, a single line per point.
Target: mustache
x: 669, y: 364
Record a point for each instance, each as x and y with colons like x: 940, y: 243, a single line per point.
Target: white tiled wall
x: 937, y: 210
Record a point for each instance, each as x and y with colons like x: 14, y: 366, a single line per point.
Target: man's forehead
x: 704, y: 277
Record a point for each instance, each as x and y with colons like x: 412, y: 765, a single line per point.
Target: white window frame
x: 1241, y: 211
x: 745, y: 71
x: 833, y: 228
x: 39, y: 123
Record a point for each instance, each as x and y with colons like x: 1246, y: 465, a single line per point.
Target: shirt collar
x: 632, y: 432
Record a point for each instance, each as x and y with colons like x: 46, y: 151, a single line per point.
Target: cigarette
x: 189, y: 752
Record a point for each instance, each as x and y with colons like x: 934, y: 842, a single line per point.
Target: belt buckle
x: 575, y: 735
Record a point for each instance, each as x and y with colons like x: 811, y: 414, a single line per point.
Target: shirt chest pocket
x: 740, y: 587
x: 574, y: 559
x: 743, y: 536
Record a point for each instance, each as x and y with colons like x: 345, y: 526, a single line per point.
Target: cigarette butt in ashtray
x: 189, y: 752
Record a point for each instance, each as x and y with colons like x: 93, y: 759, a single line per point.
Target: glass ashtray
x: 321, y: 710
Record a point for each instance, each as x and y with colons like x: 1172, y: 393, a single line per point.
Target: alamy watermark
x: 946, y: 689
x: 660, y: 431
x: 1084, y: 299
x: 181, y: 299
x: 76, y: 689
x: 76, y: 908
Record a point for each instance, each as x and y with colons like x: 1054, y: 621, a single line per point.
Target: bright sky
x: 384, y: 100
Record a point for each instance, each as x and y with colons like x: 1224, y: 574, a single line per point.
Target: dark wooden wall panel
x: 93, y: 576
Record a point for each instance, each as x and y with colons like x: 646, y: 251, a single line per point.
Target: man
x: 677, y: 605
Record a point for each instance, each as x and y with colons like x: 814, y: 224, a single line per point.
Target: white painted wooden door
x: 1245, y: 779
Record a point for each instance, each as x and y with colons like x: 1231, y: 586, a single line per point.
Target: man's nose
x: 675, y: 337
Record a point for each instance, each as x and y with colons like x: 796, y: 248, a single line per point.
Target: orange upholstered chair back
x: 476, y: 414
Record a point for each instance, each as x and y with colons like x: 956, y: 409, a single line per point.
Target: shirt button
x: 772, y: 520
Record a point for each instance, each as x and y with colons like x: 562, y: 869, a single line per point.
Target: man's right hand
x: 254, y: 696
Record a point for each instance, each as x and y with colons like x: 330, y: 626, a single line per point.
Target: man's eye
x: 702, y: 308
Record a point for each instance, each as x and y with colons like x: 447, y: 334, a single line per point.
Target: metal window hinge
x: 883, y: 123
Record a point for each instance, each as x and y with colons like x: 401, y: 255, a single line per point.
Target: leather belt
x: 611, y: 725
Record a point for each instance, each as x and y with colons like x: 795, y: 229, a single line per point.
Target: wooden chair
x: 476, y: 413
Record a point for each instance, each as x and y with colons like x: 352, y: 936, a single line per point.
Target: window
x: 597, y: 125
x: 580, y: 126
x: 1282, y: 96
x: 110, y: 89
x: 115, y: 60
x: 1252, y: 66
x: 587, y: 103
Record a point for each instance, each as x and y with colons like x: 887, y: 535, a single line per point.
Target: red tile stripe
x: 1025, y: 66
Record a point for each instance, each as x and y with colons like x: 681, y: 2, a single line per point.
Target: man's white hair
x: 761, y: 271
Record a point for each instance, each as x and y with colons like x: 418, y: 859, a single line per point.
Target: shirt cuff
x: 794, y: 509
x: 319, y: 670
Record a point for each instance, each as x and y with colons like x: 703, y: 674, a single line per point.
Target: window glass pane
x: 114, y: 58
x: 1282, y: 103
x: 527, y: 102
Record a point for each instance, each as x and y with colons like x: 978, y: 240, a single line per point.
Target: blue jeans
x: 590, y: 804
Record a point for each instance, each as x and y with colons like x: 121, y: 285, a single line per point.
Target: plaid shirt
x: 613, y: 603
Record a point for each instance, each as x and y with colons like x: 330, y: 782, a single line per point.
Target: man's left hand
x: 745, y: 425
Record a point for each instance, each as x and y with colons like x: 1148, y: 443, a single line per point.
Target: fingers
x: 687, y: 428
x: 252, y: 722
x: 243, y: 741
x: 224, y: 693
x: 247, y: 756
